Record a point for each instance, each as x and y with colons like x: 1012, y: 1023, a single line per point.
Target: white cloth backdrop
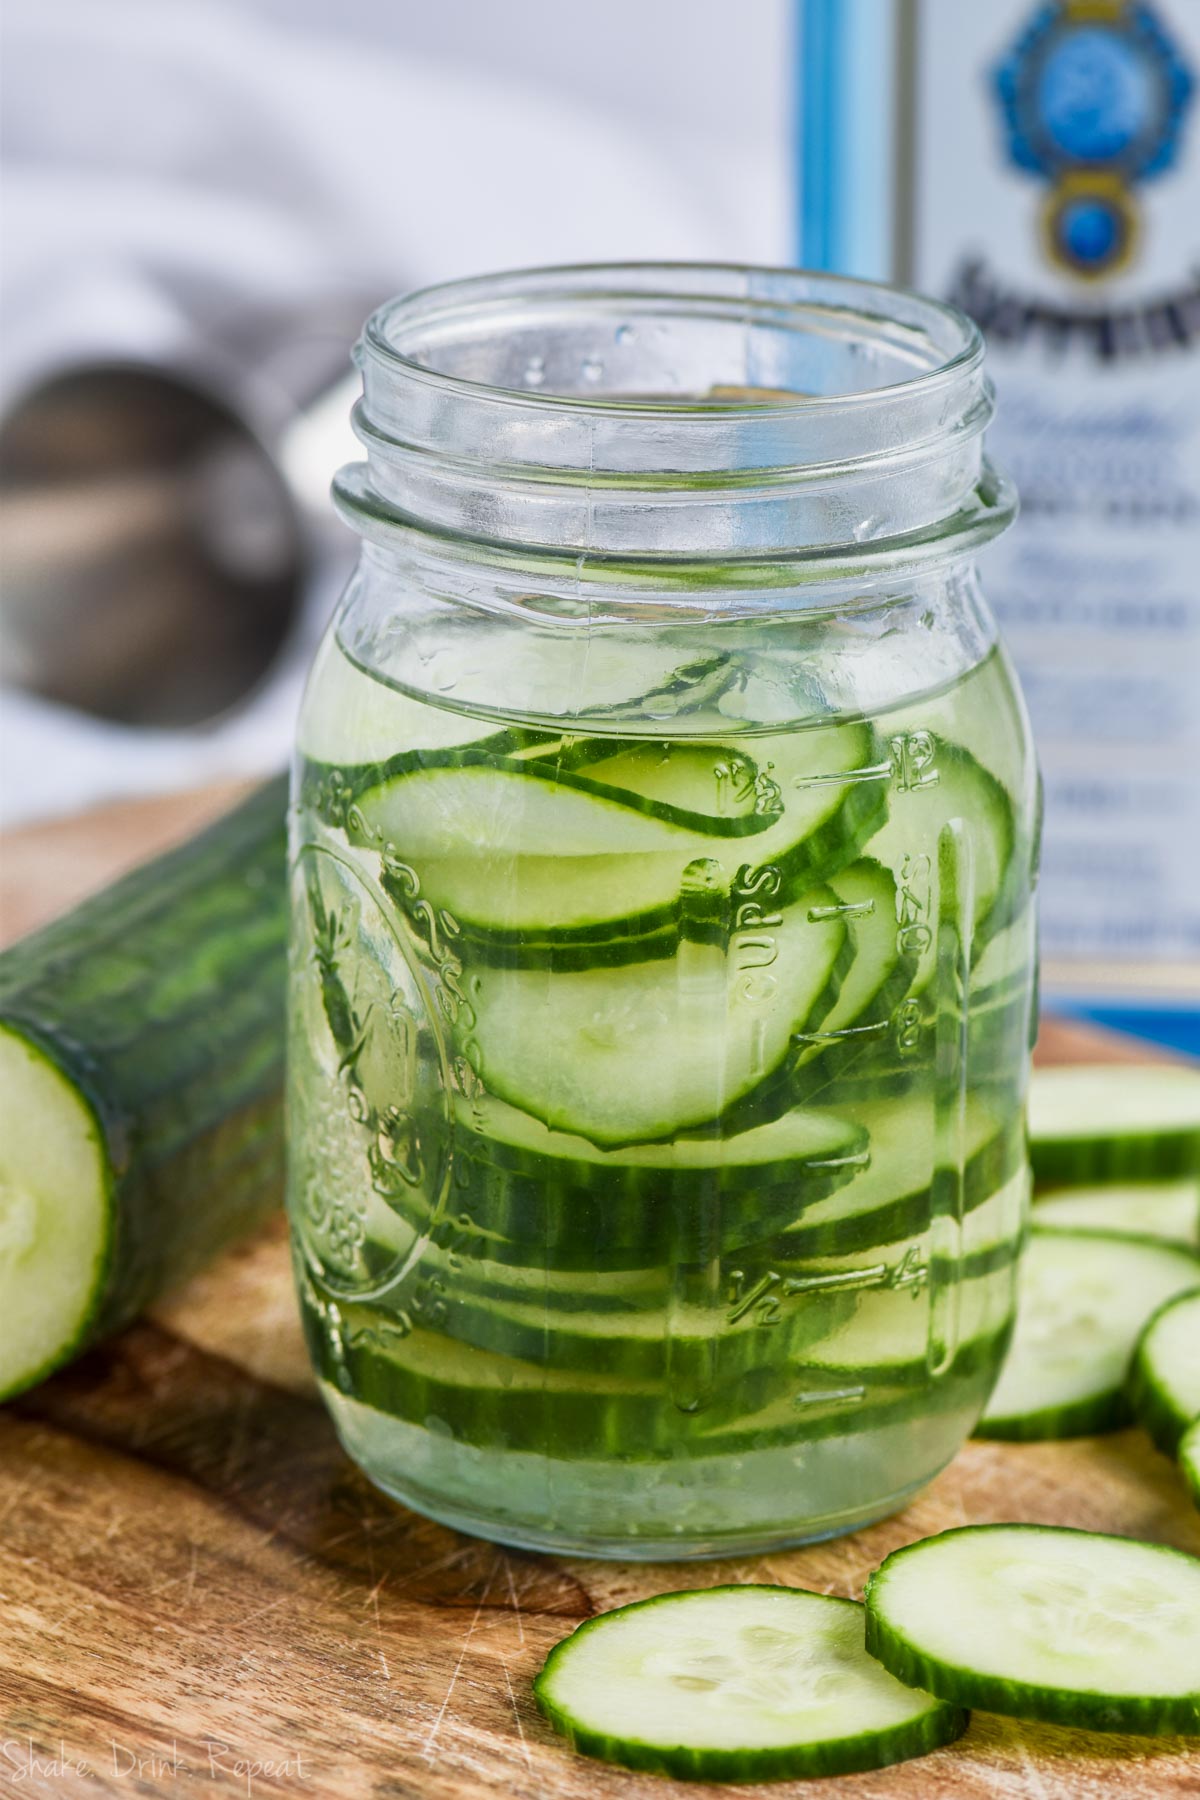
x: 170, y: 164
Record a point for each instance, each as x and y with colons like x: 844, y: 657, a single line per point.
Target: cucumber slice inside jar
x: 741, y: 1683
x: 808, y: 1184
x: 692, y: 1211
x: 963, y: 789
x: 1042, y: 1622
x: 481, y: 1397
x: 618, y: 1055
x: 992, y: 1239
x: 1084, y: 1299
x: 523, y: 851
x: 1112, y: 1122
x: 866, y: 1313
x: 894, y: 1186
x: 1164, y: 1382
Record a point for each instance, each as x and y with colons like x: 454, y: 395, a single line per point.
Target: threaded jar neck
x: 676, y: 413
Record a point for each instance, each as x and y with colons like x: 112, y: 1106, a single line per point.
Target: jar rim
x: 713, y: 412
x: 764, y: 295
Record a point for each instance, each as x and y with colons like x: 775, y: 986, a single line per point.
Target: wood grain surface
x: 200, y: 1596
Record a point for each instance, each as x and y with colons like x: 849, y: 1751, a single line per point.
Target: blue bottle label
x: 1054, y: 154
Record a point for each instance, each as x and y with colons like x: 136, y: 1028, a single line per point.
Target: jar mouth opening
x: 487, y: 338
x: 706, y: 411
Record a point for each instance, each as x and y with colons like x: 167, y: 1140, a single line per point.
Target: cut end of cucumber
x: 54, y: 1213
x: 736, y: 1684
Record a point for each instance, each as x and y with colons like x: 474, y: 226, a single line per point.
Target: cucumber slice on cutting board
x: 1084, y: 1298
x: 1164, y: 1382
x: 1043, y: 1622
x: 736, y: 1684
x: 1107, y: 1122
x: 1153, y: 1209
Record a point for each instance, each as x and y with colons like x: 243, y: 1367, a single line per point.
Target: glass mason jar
x: 663, y: 847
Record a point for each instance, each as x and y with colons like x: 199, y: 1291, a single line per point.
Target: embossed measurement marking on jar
x: 739, y: 781
x: 910, y: 1273
x: 845, y: 909
x: 914, y: 760
x: 831, y: 1396
x: 956, y: 914
x: 840, y: 777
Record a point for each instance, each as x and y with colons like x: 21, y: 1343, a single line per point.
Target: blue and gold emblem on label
x: 1094, y: 95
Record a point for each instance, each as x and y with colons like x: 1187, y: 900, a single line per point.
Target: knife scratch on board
x: 427, y: 1748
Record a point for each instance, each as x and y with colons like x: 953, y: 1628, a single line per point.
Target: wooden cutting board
x: 201, y: 1597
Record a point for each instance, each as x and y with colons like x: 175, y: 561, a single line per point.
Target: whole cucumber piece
x: 141, y: 1086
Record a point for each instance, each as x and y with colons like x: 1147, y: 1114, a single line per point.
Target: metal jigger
x: 156, y: 550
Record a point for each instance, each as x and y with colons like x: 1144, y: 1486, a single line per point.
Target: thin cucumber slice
x: 809, y: 1184
x: 480, y: 1397
x: 434, y: 805
x: 888, y: 1335
x: 1084, y: 1298
x: 614, y: 1318
x: 1164, y: 1382
x: 1155, y: 1209
x: 1189, y: 1459
x: 686, y: 1214
x: 522, y: 851
x: 646, y: 1345
x: 998, y: 1026
x: 869, y: 1314
x: 718, y: 788
x: 574, y: 1210
x: 1041, y: 1622
x: 741, y: 1683
x: 860, y: 1020
x: 1113, y: 1122
x: 618, y: 1055
x: 522, y: 1408
x: 793, y: 1145
x: 892, y: 1193
x: 865, y: 895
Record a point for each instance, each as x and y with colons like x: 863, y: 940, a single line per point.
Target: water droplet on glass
x: 593, y: 369
x: 624, y: 334
x: 535, y: 371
